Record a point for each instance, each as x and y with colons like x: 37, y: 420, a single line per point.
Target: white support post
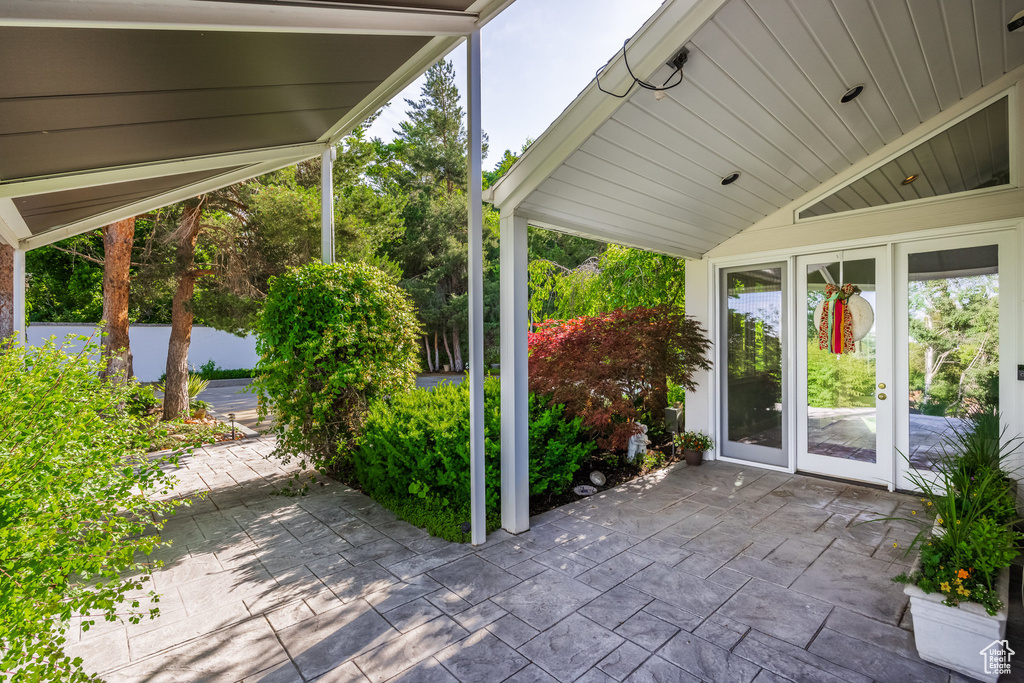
x: 515, y: 397
x: 19, y: 295
x: 327, y: 205
x: 478, y: 499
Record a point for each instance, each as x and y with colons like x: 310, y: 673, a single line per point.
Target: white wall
x: 699, y: 404
x: 149, y: 346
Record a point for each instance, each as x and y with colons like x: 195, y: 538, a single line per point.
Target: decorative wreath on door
x: 843, y: 318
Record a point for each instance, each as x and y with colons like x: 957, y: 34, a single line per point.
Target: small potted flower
x: 198, y: 408
x: 694, y: 444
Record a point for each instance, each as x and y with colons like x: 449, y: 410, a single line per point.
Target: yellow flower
x: 964, y: 592
x: 939, y: 520
x: 895, y: 544
x: 929, y: 503
x: 944, y: 587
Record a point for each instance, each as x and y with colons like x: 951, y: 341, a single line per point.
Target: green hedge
x: 415, y: 446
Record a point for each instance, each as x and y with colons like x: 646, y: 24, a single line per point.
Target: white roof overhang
x: 112, y: 108
x: 760, y: 96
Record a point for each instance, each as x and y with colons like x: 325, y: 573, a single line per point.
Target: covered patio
x: 718, y: 573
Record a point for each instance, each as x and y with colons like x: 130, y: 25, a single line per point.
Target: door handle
x: 881, y: 397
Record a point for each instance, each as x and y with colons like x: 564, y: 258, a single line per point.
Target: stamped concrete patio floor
x: 716, y: 573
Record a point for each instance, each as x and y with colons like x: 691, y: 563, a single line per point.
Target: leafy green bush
x: 331, y: 338
x: 76, y: 500
x: 415, y: 446
x: 210, y: 371
x: 141, y: 400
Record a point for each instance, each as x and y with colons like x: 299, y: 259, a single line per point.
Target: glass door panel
x: 753, y: 365
x: 844, y: 414
x: 951, y: 350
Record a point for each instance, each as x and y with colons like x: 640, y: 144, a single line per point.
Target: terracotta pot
x: 692, y: 457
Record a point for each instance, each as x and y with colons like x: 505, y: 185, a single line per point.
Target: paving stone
x: 809, y: 492
x: 526, y: 570
x: 509, y: 553
x: 448, y: 602
x: 630, y: 520
x: 555, y: 559
x: 680, y: 589
x: 659, y: 551
x: 326, y: 566
x: 545, y: 599
x: 283, y: 672
x: 615, y: 606
x: 882, y: 664
x: 623, y: 660
x: 793, y: 519
x: 610, y: 573
x: 230, y: 654
x: 729, y: 578
x: 432, y: 560
x: 512, y: 630
x: 531, y: 674
x: 716, y: 544
x: 606, y: 547
x: 657, y: 670
x: 481, y: 657
x: 795, y: 554
x: 401, y: 653
x: 358, y: 582
x: 860, y: 584
x: 177, y: 632
x: 700, y: 565
x: 595, y: 675
x: 358, y: 533
x: 647, y: 630
x: 412, y: 614
x: 890, y: 637
x: 792, y: 662
x: 330, y: 639
x: 398, y: 594
x: 472, y: 579
x: 346, y: 673
x: 111, y: 648
x: 680, y: 618
x: 427, y: 671
x: 721, y: 631
x: 478, y: 616
x: 771, y: 609
x: 707, y: 661
x: 571, y: 647
x: 289, y: 614
x: 370, y: 552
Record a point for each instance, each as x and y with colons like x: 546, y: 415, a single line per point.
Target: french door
x: 844, y: 403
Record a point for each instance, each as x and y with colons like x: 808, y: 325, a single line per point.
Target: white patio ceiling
x: 760, y: 95
x: 111, y: 108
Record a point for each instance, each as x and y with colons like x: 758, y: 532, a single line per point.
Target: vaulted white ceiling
x: 760, y: 96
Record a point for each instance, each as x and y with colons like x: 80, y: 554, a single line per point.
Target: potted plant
x: 959, y: 584
x: 694, y: 444
x: 198, y: 408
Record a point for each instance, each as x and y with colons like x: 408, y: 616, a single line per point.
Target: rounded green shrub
x: 331, y: 338
x: 415, y: 447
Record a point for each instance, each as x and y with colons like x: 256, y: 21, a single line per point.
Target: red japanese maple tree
x: 613, y: 369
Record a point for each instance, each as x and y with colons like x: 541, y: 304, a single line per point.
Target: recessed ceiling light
x: 909, y: 179
x: 851, y: 94
x: 731, y: 178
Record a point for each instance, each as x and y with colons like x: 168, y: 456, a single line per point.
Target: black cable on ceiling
x: 678, y: 62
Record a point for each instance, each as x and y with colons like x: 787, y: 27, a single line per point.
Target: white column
x: 478, y: 501
x: 515, y: 397
x: 327, y: 205
x: 19, y: 294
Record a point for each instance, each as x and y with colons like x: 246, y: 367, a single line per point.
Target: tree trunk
x: 457, y: 343
x: 118, y: 239
x: 448, y: 350
x: 7, y: 324
x: 176, y: 396
x: 437, y: 353
x: 426, y: 348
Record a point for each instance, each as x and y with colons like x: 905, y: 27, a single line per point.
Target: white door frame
x: 880, y: 471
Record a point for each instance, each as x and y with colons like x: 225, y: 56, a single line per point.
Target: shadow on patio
x: 711, y: 573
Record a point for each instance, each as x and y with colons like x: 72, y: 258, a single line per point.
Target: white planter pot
x: 954, y: 637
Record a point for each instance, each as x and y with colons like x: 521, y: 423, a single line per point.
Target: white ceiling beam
x: 557, y: 224
x: 664, y: 34
x: 12, y: 225
x: 159, y: 169
x: 157, y: 202
x: 204, y: 15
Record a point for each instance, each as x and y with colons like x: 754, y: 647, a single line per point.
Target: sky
x: 536, y: 57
